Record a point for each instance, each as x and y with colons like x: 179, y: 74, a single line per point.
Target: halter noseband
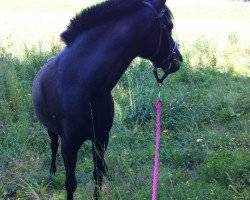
x: 159, y: 16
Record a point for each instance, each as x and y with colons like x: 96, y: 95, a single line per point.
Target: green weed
x: 204, y: 150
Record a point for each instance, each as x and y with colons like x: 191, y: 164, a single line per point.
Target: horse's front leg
x: 100, y: 167
x: 102, y: 120
x: 69, y: 154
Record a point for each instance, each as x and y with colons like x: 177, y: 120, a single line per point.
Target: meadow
x: 205, y: 140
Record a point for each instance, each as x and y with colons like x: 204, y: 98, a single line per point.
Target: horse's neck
x: 113, y: 51
x: 98, y: 58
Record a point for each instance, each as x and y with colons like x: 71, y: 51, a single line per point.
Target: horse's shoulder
x: 50, y: 59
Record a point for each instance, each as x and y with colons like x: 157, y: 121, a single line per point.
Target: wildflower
x: 199, y: 140
x: 169, y: 137
x: 188, y: 183
x: 114, y: 137
x: 166, y: 131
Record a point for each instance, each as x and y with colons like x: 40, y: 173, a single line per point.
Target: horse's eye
x: 167, y: 28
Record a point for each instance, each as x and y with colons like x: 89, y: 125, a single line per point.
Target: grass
x: 205, y: 154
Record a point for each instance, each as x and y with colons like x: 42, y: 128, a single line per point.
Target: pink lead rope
x: 157, y: 147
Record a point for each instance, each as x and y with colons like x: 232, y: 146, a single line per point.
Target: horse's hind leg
x: 54, y: 147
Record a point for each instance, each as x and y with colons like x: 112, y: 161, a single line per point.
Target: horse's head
x: 159, y: 47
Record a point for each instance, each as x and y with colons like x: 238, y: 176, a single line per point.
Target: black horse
x: 72, y: 92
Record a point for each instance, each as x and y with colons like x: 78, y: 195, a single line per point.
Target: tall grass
x: 204, y: 150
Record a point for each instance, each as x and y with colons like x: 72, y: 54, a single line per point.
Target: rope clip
x: 159, y: 90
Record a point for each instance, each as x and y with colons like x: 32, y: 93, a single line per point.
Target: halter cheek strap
x: 159, y: 17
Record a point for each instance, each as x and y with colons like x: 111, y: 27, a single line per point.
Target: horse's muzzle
x: 169, y: 65
x: 174, y: 66
x: 173, y: 62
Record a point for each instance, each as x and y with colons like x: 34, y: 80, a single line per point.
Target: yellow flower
x: 188, y: 183
x: 166, y: 131
x: 199, y: 140
x: 114, y: 136
x: 170, y: 137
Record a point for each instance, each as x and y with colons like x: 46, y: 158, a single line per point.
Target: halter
x: 170, y: 59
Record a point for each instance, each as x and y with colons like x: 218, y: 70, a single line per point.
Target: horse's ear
x: 159, y: 4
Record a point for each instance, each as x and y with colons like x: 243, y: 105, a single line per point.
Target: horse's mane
x: 99, y: 14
